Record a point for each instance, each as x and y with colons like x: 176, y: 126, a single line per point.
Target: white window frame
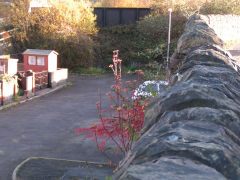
x: 40, y: 61
x: 32, y: 60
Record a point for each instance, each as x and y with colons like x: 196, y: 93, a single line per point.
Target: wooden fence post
x: 2, y: 95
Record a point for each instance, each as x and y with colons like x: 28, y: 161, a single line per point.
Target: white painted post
x: 169, y: 34
x: 29, y: 83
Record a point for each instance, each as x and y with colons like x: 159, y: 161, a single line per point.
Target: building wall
x: 35, y: 68
x: 8, y: 66
x: 59, y: 76
x: 12, y: 66
x: 52, y: 62
x: 7, y: 91
x: 3, y: 66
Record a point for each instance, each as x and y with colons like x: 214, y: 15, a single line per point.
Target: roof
x: 39, y: 52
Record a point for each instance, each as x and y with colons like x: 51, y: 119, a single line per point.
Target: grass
x: 91, y: 70
x: 104, y: 71
x: 230, y: 43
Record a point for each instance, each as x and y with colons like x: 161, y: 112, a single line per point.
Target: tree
x: 66, y: 27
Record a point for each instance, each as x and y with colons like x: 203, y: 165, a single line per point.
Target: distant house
x: 8, y: 65
x: 39, y: 4
x: 39, y: 60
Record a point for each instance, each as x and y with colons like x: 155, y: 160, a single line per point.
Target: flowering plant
x: 125, y: 116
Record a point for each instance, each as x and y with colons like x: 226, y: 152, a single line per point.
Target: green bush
x: 189, y: 7
x: 146, y: 41
x: 123, y: 38
x: 221, y: 7
x: 91, y: 70
x: 182, y: 7
x: 66, y: 27
x: 155, y: 27
x: 139, y: 43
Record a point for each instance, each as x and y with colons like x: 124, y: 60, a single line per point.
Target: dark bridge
x: 119, y: 16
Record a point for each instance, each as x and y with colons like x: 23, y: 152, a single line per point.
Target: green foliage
x: 139, y: 43
x: 123, y: 38
x: 182, y: 7
x: 108, y: 178
x: 146, y: 41
x: 7, y: 78
x: 189, y: 7
x: 65, y: 27
x: 91, y: 70
x: 154, y: 71
x: 154, y: 28
x: 1, y: 26
x: 221, y: 7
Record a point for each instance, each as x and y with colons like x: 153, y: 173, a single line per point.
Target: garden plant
x: 121, y: 124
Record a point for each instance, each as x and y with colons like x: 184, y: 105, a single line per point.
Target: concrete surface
x: 235, y: 51
x: 61, y: 169
x: 44, y: 127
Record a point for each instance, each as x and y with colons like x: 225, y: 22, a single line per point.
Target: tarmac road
x: 235, y: 51
x: 45, y: 127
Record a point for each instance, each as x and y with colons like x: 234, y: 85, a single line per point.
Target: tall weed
x: 122, y: 122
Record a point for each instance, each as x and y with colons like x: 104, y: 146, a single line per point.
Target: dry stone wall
x: 192, y: 130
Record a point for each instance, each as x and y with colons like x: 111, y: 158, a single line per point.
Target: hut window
x: 32, y: 60
x: 40, y: 61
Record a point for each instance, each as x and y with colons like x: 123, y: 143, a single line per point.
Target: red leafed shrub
x: 123, y: 121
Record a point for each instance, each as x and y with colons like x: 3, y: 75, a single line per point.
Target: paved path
x: 235, y: 50
x: 44, y: 127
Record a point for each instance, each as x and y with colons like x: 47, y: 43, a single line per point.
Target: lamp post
x: 169, y: 35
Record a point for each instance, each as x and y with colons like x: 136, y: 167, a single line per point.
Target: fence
x: 41, y: 79
x: 29, y: 82
x: 7, y: 91
x: 119, y: 16
x: 57, y: 77
x: 20, y: 67
x: 26, y: 82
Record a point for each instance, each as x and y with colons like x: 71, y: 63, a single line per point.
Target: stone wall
x: 192, y: 130
x: 58, y: 77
